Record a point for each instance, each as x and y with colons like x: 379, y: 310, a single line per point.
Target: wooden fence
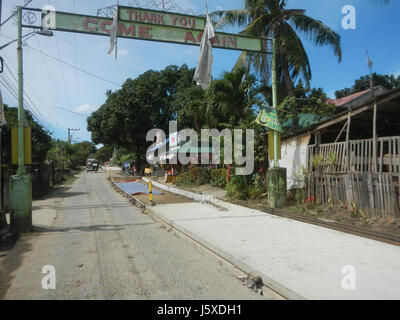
x: 334, y: 177
x: 332, y: 157
x: 374, y: 193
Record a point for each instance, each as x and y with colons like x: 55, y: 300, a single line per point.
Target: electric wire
x: 27, y: 97
x: 70, y: 65
x: 27, y: 85
x: 14, y: 13
x: 27, y: 106
x: 28, y: 103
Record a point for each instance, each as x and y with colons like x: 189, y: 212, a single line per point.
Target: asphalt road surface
x: 104, y: 248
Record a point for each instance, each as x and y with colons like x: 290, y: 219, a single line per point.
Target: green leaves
x: 272, y: 18
x: 363, y: 83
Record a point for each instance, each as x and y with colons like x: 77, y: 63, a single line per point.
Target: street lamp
x: 21, y: 183
x: 43, y: 32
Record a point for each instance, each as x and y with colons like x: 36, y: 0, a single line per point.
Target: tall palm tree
x: 272, y: 18
x: 230, y: 98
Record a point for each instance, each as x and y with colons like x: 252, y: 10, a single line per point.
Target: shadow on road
x: 43, y: 229
x: 83, y: 207
x: 11, y: 260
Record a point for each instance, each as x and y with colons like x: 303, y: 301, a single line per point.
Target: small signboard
x: 269, y: 120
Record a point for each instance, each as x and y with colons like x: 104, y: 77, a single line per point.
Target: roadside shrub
x: 236, y: 188
x: 183, y: 179
x: 199, y: 176
x: 257, y: 189
x: 218, y: 178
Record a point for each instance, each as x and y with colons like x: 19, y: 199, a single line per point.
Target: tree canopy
x: 363, y: 83
x: 142, y: 104
x: 273, y: 19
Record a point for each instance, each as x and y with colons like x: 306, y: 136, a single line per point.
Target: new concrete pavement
x: 297, y: 259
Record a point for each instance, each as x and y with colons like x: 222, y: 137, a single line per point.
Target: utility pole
x: 1, y: 7
x: 21, y: 183
x: 70, y: 135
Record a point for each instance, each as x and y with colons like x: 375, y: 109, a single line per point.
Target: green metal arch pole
x: 21, y: 116
x: 21, y: 183
x: 275, y: 101
x: 276, y: 179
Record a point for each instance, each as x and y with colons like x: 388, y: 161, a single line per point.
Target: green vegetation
x: 363, y: 83
x: 71, y: 155
x: 41, y: 140
x: 272, y: 19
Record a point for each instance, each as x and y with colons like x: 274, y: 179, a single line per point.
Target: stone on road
x: 104, y: 248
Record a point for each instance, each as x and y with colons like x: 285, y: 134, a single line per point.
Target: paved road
x: 104, y: 248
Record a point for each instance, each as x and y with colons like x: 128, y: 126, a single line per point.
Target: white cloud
x: 86, y: 109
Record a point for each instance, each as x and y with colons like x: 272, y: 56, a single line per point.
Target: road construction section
x: 102, y: 247
x: 301, y: 259
x: 139, y: 195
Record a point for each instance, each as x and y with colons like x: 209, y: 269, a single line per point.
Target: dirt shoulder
x: 383, y: 224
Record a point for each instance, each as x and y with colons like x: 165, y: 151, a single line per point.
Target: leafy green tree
x: 81, y: 152
x: 272, y: 19
x: 363, y: 83
x: 309, y: 102
x: 104, y: 154
x: 142, y: 104
x: 231, y: 99
x: 190, y: 105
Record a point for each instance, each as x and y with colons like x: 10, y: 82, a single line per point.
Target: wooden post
x: 348, y: 141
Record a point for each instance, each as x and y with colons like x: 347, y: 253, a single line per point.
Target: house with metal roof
x: 351, y: 157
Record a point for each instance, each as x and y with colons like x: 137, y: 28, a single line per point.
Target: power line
x: 62, y: 72
x: 14, y: 13
x: 13, y: 91
x: 70, y: 65
x: 27, y: 85
x: 27, y: 97
x: 75, y: 67
x: 66, y: 110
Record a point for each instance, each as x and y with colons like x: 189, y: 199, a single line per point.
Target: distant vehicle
x: 92, y: 165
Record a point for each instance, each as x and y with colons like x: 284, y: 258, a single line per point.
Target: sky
x: 62, y: 96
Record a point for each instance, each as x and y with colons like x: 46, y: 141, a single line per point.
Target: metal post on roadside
x: 21, y: 183
x: 276, y: 178
x: 3, y: 221
x: 275, y: 101
x: 151, y: 193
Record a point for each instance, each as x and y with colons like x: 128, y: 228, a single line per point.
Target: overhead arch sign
x: 135, y: 23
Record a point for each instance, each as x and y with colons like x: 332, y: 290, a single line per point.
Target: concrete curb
x: 246, y: 269
x: 268, y: 282
x: 188, y: 194
x: 131, y: 198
